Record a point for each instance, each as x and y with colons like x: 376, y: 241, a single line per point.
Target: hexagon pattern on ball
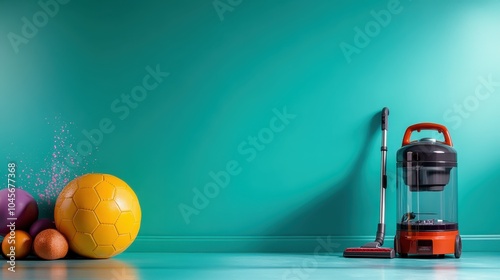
x: 99, y: 214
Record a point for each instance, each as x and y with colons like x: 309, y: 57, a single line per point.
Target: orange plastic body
x: 427, y: 126
x: 425, y: 243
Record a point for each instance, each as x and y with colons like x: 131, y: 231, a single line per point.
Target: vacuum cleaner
x: 427, y: 195
x: 374, y: 249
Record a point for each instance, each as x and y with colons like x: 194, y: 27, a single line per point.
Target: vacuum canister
x: 427, y: 216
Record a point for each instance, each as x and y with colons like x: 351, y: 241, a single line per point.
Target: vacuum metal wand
x: 379, y: 239
x: 383, y: 177
x: 374, y: 249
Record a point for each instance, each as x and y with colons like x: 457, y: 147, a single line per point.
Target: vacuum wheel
x: 458, y: 246
x: 397, y: 249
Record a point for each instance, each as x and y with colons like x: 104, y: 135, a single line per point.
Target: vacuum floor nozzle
x: 364, y: 252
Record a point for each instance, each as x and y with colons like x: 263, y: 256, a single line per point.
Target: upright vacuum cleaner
x: 427, y: 188
x: 374, y: 249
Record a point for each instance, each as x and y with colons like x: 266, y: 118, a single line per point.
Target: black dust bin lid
x: 427, y: 152
x: 426, y: 164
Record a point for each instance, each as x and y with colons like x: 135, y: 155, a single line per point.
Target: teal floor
x: 131, y: 266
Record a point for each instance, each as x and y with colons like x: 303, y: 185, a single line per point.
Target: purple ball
x: 25, y: 210
x: 40, y: 225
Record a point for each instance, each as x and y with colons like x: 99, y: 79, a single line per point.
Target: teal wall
x: 227, y: 71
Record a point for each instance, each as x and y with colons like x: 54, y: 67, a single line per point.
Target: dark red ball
x: 40, y: 225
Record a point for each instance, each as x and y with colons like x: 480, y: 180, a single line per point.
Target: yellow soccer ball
x: 99, y: 214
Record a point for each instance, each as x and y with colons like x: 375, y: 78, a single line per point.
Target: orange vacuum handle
x: 427, y: 126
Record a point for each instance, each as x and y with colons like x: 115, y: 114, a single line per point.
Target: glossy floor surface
x: 131, y: 266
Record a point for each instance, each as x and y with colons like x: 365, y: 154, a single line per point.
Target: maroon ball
x: 40, y: 225
x: 24, y: 208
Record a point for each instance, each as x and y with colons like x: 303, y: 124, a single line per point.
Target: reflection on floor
x: 131, y: 266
